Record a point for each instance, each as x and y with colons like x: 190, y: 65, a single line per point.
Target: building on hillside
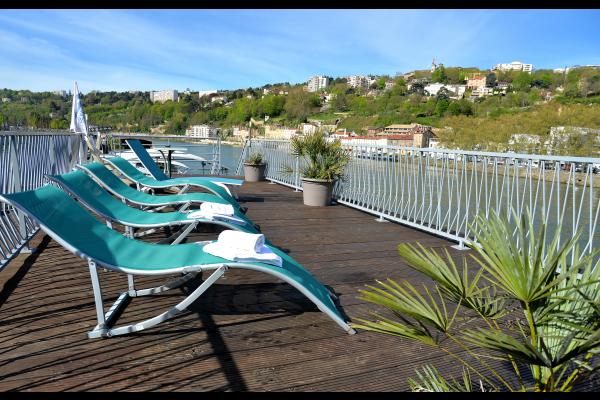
x: 202, y: 93
x: 241, y: 132
x: 418, y: 135
x: 397, y: 129
x: 6, y: 100
x: 201, y: 131
x: 164, y: 95
x: 309, y: 128
x: 482, y: 92
x: 280, y: 132
x: 434, y: 143
x: 61, y: 93
x: 374, y: 130
x: 416, y: 139
x: 219, y: 99
x: 514, y: 66
x: 389, y: 85
x: 456, y: 91
x: 318, y: 82
x: 479, y: 81
x: 358, y: 82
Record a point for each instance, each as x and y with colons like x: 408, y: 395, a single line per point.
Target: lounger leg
x: 184, y: 189
x: 184, y: 207
x: 177, y: 238
x: 129, y: 232
x: 184, y: 234
x: 97, y: 293
x: 175, y: 283
x: 182, y: 306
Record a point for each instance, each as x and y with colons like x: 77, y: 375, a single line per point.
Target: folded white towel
x: 248, y: 242
x: 217, y: 208
x: 265, y: 255
x: 212, y: 217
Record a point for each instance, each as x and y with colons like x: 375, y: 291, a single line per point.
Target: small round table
x: 170, y: 150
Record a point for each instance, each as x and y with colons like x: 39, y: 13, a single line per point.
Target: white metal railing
x: 25, y: 157
x: 441, y: 191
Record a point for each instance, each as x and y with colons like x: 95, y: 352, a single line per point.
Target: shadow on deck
x: 248, y: 332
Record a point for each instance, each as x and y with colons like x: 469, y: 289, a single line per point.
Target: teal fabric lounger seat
x: 90, y: 194
x: 78, y: 231
x: 117, y: 187
x: 184, y: 184
x: 135, y: 175
x: 147, y: 161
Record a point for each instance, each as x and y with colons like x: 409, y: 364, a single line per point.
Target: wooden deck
x: 248, y: 332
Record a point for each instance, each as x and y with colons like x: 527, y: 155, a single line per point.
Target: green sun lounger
x: 147, y: 161
x: 94, y: 197
x: 68, y: 223
x: 141, y: 180
x: 184, y: 184
x: 117, y: 187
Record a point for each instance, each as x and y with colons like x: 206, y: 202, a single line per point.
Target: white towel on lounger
x: 247, y: 242
x: 265, y: 255
x: 213, y: 217
x: 243, y: 247
x: 217, y: 208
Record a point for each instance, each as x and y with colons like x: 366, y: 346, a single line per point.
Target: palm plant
x: 324, y: 160
x: 255, y: 159
x: 553, y: 289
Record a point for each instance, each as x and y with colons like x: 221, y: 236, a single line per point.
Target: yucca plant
x: 530, y: 302
x: 324, y: 160
x: 254, y: 159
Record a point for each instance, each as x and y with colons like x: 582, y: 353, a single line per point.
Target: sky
x: 45, y: 50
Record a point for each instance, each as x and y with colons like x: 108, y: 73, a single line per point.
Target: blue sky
x: 228, y: 49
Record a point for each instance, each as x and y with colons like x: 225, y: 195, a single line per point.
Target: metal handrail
x: 441, y: 191
x: 25, y: 158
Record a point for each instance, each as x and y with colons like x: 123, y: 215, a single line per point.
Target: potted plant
x: 254, y: 168
x: 325, y: 163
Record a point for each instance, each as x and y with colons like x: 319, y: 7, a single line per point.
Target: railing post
x: 52, y: 151
x: 297, y: 173
x: 16, y: 172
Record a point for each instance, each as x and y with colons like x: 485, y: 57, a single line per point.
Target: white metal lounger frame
x: 184, y: 186
x: 176, y: 238
x: 143, y: 206
x: 106, y: 319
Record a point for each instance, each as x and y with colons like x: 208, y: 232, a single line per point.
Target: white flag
x: 78, y: 124
x: 79, y: 120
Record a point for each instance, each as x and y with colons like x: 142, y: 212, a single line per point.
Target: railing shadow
x: 12, y: 283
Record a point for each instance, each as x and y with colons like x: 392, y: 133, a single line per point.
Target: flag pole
x: 79, y: 122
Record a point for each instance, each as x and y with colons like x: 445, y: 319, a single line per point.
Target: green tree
x: 522, y: 82
x: 439, y: 75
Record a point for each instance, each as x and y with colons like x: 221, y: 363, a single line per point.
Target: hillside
x: 532, y: 104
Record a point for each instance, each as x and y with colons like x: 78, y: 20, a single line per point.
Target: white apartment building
x: 316, y: 83
x: 514, y: 66
x: 457, y: 91
x: 164, y: 95
x: 201, y: 131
